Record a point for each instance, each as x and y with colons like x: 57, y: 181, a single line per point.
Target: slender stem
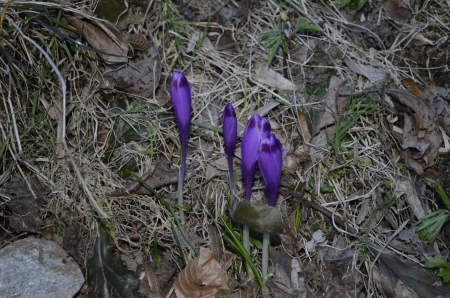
x: 265, y: 264
x: 265, y: 256
x: 246, y: 241
x: 181, y: 180
x: 230, y: 167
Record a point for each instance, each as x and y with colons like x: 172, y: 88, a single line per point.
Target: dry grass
x: 82, y: 175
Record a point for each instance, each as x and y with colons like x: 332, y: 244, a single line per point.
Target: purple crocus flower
x: 256, y: 128
x: 270, y: 160
x: 182, y: 101
x: 229, y: 122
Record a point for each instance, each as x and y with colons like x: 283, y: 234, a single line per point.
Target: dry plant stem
x: 181, y: 180
x: 63, y: 91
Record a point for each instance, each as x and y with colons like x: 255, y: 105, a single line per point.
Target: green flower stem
x: 265, y: 264
x: 246, y: 241
x: 181, y: 183
x: 235, y: 242
x: 231, y: 174
x: 265, y: 256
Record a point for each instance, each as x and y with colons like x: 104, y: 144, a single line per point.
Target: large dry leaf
x: 406, y: 187
x: 334, y: 106
x: 271, y: 78
x: 148, y: 283
x: 372, y: 73
x: 112, y: 43
x: 421, y: 137
x: 397, y: 10
x: 140, y: 78
x: 399, y: 278
x: 202, y: 277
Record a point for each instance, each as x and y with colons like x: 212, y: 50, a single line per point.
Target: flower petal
x: 250, y: 147
x: 265, y: 128
x: 181, y: 101
x: 270, y: 160
x: 229, y: 121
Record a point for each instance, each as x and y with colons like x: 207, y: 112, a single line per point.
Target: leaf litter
x: 311, y: 90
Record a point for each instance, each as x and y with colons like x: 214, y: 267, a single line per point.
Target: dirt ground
x: 357, y: 94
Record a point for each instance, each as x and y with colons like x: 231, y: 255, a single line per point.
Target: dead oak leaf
x: 202, y: 277
x: 397, y: 10
x: 113, y: 44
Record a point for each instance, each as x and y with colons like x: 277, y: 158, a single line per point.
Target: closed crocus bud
x: 229, y: 121
x: 181, y: 101
x: 256, y: 127
x: 270, y: 160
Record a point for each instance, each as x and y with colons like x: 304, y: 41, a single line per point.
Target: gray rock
x: 35, y: 268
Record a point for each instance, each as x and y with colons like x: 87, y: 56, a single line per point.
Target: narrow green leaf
x: 303, y: 24
x: 180, y: 248
x: 237, y: 245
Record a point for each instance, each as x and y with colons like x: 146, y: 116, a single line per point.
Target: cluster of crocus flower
x: 259, y: 146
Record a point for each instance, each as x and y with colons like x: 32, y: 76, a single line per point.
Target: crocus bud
x: 229, y: 129
x: 256, y: 127
x: 270, y: 160
x: 181, y: 101
x: 229, y: 122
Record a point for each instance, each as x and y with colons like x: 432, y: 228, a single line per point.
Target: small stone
x: 36, y: 268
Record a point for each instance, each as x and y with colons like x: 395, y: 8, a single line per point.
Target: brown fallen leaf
x: 412, y: 87
x: 397, y: 10
x: 267, y: 76
x: 214, y: 243
x: 399, y: 278
x: 406, y: 187
x: 372, y: 73
x: 303, y: 127
x: 334, y: 106
x: 220, y: 38
x: 148, y: 284
x: 421, y: 137
x: 202, y: 277
x: 112, y: 43
x: 140, y: 78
